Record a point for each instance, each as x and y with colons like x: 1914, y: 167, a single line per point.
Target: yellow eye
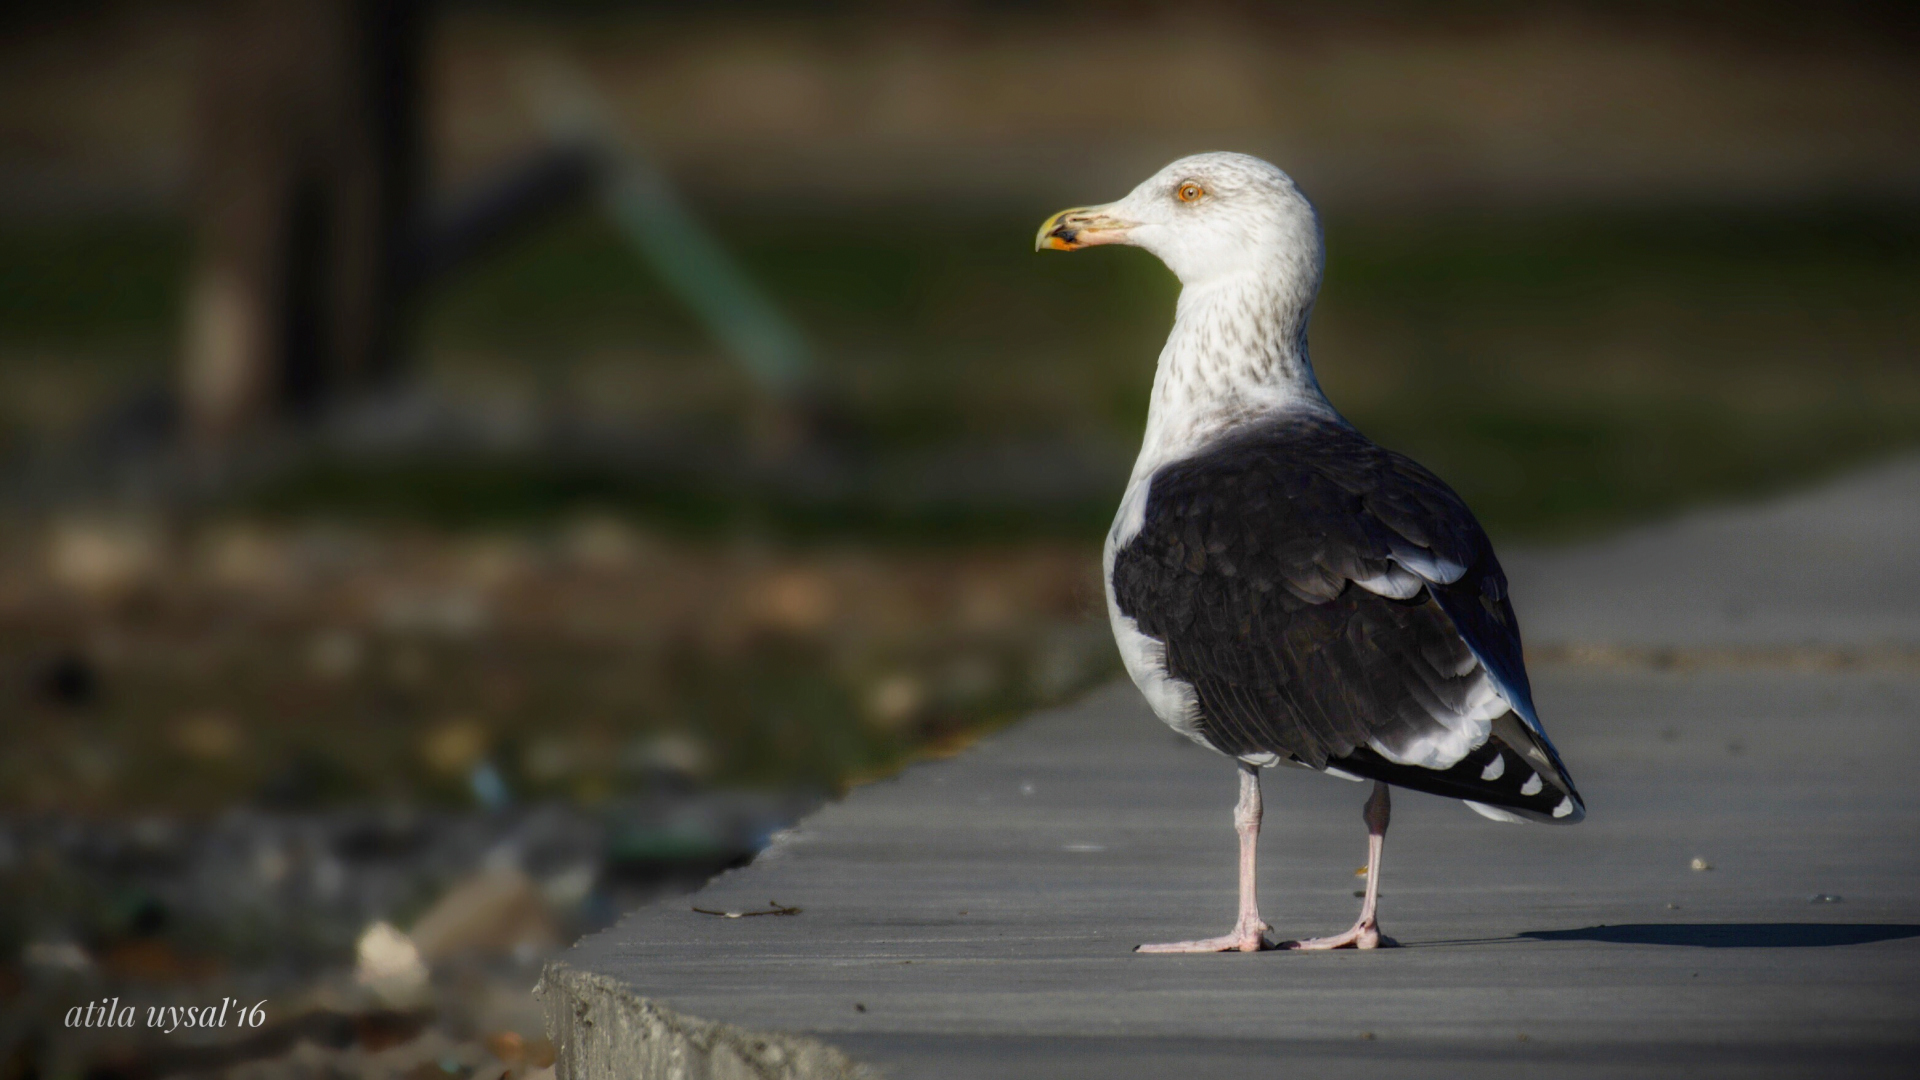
x: 1190, y: 191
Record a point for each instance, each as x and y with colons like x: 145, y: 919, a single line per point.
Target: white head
x: 1208, y: 217
x: 1246, y: 247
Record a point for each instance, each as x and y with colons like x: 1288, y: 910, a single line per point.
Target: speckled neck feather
x: 1237, y: 354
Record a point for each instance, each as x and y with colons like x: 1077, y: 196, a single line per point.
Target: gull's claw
x: 1242, y: 939
x: 1362, y: 936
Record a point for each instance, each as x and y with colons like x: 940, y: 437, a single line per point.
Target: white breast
x: 1172, y: 700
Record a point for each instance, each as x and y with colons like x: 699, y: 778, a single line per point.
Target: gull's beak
x: 1082, y: 226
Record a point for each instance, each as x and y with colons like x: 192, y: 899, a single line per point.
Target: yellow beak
x: 1082, y: 226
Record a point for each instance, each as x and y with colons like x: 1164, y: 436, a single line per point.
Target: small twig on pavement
x: 774, y: 907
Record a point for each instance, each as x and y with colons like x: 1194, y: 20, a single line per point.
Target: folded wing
x: 1335, y: 604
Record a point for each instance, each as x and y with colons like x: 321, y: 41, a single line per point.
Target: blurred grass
x: 1567, y: 371
x: 1570, y: 373
x: 89, y: 281
x: 484, y: 490
x: 226, y: 663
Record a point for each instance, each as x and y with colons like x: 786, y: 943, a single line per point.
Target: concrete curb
x: 602, y: 1030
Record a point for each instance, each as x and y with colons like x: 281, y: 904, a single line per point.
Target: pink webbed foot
x: 1244, y: 938
x: 1364, y: 935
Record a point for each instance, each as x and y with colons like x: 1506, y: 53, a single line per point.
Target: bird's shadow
x: 1733, y: 935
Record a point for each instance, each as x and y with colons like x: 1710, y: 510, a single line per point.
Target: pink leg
x: 1247, y: 934
x: 1366, y: 930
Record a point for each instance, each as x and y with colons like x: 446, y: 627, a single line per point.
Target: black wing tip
x: 1559, y: 804
x: 1521, y: 785
x: 1576, y: 812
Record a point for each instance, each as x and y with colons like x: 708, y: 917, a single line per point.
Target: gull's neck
x: 1237, y: 355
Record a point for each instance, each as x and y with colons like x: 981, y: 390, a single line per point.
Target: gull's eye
x: 1189, y: 191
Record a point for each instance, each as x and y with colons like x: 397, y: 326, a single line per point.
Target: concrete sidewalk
x: 1836, y: 568
x: 975, y: 917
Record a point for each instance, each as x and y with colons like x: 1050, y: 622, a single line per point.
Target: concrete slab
x: 1833, y: 568
x: 975, y: 916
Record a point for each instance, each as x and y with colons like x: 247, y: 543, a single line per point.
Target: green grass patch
x: 1567, y: 371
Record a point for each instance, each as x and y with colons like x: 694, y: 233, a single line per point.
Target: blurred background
x: 471, y: 467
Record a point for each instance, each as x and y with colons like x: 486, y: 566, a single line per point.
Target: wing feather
x: 1333, y: 602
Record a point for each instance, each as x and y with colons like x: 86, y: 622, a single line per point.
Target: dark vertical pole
x: 376, y: 184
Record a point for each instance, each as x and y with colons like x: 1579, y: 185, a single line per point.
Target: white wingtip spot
x: 1532, y: 786
x: 1494, y: 812
x: 1494, y: 768
x: 1565, y: 807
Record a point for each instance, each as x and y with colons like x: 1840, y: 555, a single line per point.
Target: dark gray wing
x: 1335, y: 603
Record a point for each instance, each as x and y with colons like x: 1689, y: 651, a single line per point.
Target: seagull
x: 1282, y: 589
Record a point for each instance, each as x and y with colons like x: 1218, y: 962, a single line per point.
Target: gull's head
x: 1207, y: 216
